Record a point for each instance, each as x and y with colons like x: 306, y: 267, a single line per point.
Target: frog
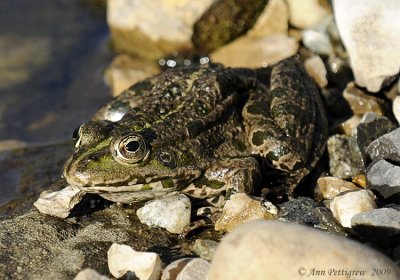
x: 206, y: 131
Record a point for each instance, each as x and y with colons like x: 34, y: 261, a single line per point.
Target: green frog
x: 204, y: 131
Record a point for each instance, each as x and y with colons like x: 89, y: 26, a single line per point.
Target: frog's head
x: 112, y: 158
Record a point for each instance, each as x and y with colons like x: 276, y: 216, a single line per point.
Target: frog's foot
x: 208, y: 216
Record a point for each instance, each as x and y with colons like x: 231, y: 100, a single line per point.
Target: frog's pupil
x: 75, y: 134
x: 132, y: 146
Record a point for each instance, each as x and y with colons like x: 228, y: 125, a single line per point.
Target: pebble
x: 317, y: 41
x: 122, y: 259
x: 186, y: 269
x: 256, y: 52
x: 361, y: 103
x: 125, y: 70
x: 90, y: 274
x: 386, y: 147
x: 171, y: 213
x: 304, y: 210
x: 375, y: 22
x: 240, y: 208
x: 379, y: 225
x: 345, y: 206
x: 205, y: 248
x: 330, y: 187
x: 316, y: 69
x: 308, y: 13
x: 348, y: 125
x: 59, y: 203
x: 153, y: 28
x: 384, y: 177
x: 396, y: 108
x: 262, y: 250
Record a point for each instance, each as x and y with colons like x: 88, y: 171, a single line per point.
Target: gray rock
x: 186, y: 269
x: 384, y: 177
x: 304, y: 210
x: 205, y: 248
x: 90, y: 274
x: 341, y: 164
x: 381, y: 226
x: 386, y: 147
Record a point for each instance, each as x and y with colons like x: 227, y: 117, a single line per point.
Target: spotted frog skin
x: 202, y: 131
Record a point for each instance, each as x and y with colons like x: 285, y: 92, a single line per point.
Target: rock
x: 124, y: 71
x: 386, y: 147
x: 307, y: 13
x: 153, y: 28
x: 360, y: 180
x: 273, y: 20
x: 171, y: 213
x: 316, y: 69
x: 186, y: 269
x: 225, y: 21
x: 240, y: 208
x: 345, y: 206
x: 317, y: 41
x: 256, y: 52
x: 278, y: 251
x: 341, y: 164
x: 205, y: 248
x: 361, y: 103
x: 348, y: 125
x: 330, y: 187
x: 370, y: 127
x: 384, y: 177
x: 90, y: 274
x: 304, y: 210
x: 122, y: 259
x: 59, y: 203
x: 375, y: 22
x: 381, y: 226
x: 396, y: 108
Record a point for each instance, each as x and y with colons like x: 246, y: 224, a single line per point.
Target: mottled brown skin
x: 202, y: 131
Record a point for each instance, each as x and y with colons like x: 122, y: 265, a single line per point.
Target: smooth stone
x: 262, y: 250
x: 381, y: 226
x: 348, y: 125
x: 90, y: 274
x: 153, y: 28
x: 384, y: 177
x: 317, y: 41
x: 315, y: 67
x: 125, y: 70
x: 59, y: 203
x: 375, y: 22
x: 341, y: 164
x: 171, y: 213
x: 331, y: 187
x: 361, y: 103
x: 307, y: 13
x: 274, y: 19
x: 386, y: 147
x: 304, y: 210
x: 345, y: 206
x: 186, y: 269
x: 396, y: 108
x: 240, y: 208
x: 205, y: 248
x: 256, y: 52
x: 122, y: 259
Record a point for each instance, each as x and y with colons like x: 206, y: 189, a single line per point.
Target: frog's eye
x: 167, y: 158
x: 131, y: 148
x: 76, y: 136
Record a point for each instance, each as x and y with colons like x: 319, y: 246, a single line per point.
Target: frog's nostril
x: 92, y: 158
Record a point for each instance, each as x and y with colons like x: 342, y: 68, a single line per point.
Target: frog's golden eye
x: 167, y: 158
x: 131, y: 149
x: 76, y: 136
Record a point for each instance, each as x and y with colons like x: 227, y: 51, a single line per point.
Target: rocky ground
x: 344, y: 222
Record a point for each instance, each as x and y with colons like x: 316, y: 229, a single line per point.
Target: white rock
x: 330, y: 187
x: 316, y: 69
x: 317, y: 41
x: 396, y: 108
x: 240, y: 208
x: 256, y: 52
x: 369, y: 30
x: 152, y: 28
x: 276, y: 250
x: 186, y: 269
x: 171, y: 213
x: 90, y: 274
x: 122, y: 258
x: 307, y: 13
x: 59, y: 203
x: 345, y: 206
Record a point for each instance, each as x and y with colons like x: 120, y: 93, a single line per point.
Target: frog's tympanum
x: 202, y: 131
